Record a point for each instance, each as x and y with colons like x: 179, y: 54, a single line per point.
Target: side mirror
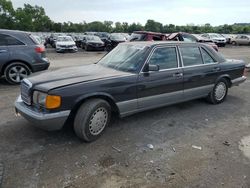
x: 153, y: 67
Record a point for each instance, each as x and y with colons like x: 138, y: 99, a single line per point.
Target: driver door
x: 163, y: 86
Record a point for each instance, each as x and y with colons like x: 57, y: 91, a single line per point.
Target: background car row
x: 91, y: 41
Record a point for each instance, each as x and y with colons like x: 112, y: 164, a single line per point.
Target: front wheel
x: 219, y: 93
x: 91, y: 119
x: 15, y: 72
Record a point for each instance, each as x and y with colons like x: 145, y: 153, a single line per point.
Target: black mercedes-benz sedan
x: 131, y: 78
x: 92, y: 42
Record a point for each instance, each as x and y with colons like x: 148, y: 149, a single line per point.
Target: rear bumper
x: 41, y: 66
x: 238, y: 81
x: 46, y: 121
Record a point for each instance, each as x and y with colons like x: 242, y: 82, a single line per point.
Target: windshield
x: 117, y: 37
x: 215, y: 36
x: 62, y: 39
x: 93, y: 38
x: 126, y: 58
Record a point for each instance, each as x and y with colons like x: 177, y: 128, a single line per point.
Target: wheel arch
x: 104, y: 96
x: 226, y: 77
x: 15, y: 61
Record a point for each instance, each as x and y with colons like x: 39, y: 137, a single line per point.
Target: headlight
x: 46, y: 101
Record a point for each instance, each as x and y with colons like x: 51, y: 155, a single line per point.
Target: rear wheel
x: 91, y: 119
x: 16, y: 72
x: 219, y: 93
x: 86, y: 48
x: 234, y: 43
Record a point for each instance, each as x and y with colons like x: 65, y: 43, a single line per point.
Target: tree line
x: 34, y: 18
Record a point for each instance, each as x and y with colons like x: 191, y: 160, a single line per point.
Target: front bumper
x: 63, y: 49
x: 238, y: 81
x: 43, y: 120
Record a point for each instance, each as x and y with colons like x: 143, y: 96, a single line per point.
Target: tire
x: 234, y: 43
x: 219, y: 92
x: 91, y: 119
x: 15, y: 72
x: 86, y: 48
x: 108, y: 48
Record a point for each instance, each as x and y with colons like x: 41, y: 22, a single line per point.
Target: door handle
x: 178, y: 74
x: 216, y: 68
x: 3, y: 51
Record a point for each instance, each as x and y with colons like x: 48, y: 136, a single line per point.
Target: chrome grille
x: 26, y: 91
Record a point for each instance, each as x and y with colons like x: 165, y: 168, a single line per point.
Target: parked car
x: 147, y: 36
x: 92, y: 42
x: 186, y: 37
x: 103, y: 36
x: 20, y: 55
x: 78, y: 40
x: 52, y: 39
x: 241, y: 40
x: 113, y: 40
x: 134, y: 77
x: 216, y: 38
x: 65, y: 43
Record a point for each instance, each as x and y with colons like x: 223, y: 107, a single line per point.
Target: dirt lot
x: 121, y: 158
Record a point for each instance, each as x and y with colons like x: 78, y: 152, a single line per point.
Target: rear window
x: 34, y: 39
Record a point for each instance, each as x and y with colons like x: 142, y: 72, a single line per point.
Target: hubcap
x: 220, y: 91
x: 17, y: 73
x: 98, y: 121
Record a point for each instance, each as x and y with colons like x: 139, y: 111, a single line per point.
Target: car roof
x: 148, y: 32
x: 13, y: 32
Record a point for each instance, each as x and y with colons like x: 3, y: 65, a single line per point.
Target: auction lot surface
x: 121, y: 157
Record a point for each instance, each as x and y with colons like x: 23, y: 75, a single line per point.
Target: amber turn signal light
x: 53, y: 101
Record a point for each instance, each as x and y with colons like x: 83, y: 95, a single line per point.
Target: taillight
x: 40, y: 49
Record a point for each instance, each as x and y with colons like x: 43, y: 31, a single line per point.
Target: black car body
x: 20, y: 55
x: 92, y: 42
x: 133, y: 77
x: 113, y: 40
x: 103, y: 36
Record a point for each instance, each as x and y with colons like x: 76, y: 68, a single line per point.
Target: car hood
x: 95, y: 42
x: 65, y: 43
x: 218, y: 38
x: 68, y: 76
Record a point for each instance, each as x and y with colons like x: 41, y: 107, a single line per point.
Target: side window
x: 206, y: 57
x: 188, y: 38
x: 3, y: 41
x: 157, y: 38
x: 166, y: 58
x: 12, y: 41
x: 191, y: 56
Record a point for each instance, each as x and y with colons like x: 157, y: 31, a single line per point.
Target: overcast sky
x: 178, y: 12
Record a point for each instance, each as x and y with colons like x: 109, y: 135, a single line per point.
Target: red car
x: 147, y: 36
x: 182, y: 36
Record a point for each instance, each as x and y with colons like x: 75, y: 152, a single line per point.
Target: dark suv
x: 20, y: 54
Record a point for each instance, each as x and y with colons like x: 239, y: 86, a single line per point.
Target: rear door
x: 200, y: 71
x: 158, y: 88
x: 4, y: 51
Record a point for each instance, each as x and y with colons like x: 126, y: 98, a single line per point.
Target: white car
x: 65, y: 43
x: 216, y: 38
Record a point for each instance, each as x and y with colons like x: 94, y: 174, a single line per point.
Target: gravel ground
x: 192, y: 144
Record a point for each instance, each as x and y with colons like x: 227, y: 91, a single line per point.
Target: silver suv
x: 20, y: 55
